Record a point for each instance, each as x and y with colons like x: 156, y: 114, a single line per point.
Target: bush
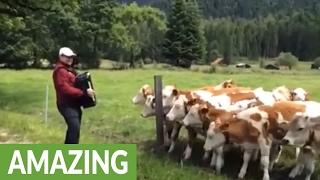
x: 120, y: 66
x: 287, y: 59
x: 208, y: 69
x: 194, y: 68
x: 316, y: 62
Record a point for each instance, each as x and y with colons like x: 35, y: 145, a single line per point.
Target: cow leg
x: 309, y: 161
x: 296, y: 170
x: 278, y: 155
x: 309, y: 169
x: 297, y: 152
x: 305, y: 160
x: 191, y: 138
x: 255, y: 154
x: 166, y: 131
x: 206, y: 155
x: 246, y: 158
x: 213, y: 159
x: 275, y: 154
x: 174, y: 136
x: 219, y: 159
x: 265, y: 146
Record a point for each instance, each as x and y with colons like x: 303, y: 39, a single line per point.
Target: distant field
x: 301, y: 67
x: 116, y: 120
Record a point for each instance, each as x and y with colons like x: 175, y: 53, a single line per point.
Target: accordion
x: 83, y: 81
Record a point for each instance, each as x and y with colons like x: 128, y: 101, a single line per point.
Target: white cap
x: 66, y: 51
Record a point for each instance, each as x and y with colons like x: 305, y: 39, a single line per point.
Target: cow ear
x: 225, y: 84
x: 314, y: 121
x: 175, y: 92
x: 191, y: 102
x: 204, y: 109
x: 153, y: 104
x: 307, y: 96
x: 143, y: 91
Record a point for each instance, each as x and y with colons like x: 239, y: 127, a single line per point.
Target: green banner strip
x: 71, y: 162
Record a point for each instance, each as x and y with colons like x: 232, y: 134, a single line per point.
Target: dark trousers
x: 72, y: 116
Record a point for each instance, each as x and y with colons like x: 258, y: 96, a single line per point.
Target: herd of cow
x: 259, y: 122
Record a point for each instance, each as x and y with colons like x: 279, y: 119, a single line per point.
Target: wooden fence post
x: 159, y: 109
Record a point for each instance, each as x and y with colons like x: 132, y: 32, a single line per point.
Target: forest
x: 178, y: 32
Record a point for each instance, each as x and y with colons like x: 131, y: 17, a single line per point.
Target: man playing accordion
x: 69, y: 97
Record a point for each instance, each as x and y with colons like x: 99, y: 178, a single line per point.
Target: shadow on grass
x: 232, y: 162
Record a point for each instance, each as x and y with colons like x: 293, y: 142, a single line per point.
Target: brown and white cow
x: 257, y: 128
x: 223, y: 105
x: 280, y: 93
x: 149, y: 104
x: 184, y: 100
x: 170, y: 93
x: 141, y: 96
x: 197, y: 121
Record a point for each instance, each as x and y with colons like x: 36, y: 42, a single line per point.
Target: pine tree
x: 184, y: 41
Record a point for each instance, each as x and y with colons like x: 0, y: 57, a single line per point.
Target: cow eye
x: 300, y: 129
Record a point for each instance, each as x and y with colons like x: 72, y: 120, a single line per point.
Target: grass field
x: 117, y: 120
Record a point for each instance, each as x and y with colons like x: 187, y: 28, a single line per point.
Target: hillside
x: 244, y: 9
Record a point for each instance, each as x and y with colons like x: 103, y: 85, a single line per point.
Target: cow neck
x: 310, y: 139
x: 313, y: 140
x: 189, y: 95
x: 185, y: 108
x: 205, y: 120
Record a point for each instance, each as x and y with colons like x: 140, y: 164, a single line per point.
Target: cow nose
x: 169, y: 118
x: 285, y: 141
x: 184, y: 122
x: 142, y: 115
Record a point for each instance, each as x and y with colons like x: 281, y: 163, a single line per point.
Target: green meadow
x: 116, y: 120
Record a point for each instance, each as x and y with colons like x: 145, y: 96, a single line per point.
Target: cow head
x: 282, y: 93
x: 142, y: 94
x: 169, y: 93
x: 196, y: 112
x: 179, y: 109
x: 299, y: 94
x: 300, y: 130
x: 279, y: 131
x: 214, y: 138
x: 149, y: 107
x: 226, y: 84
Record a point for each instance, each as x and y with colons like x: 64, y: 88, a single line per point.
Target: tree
x: 184, y: 41
x: 137, y: 33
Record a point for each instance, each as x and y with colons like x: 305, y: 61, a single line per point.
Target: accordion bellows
x: 83, y: 81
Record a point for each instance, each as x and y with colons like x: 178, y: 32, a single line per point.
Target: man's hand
x: 90, y: 92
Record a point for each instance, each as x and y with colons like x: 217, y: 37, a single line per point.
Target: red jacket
x: 64, y: 78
